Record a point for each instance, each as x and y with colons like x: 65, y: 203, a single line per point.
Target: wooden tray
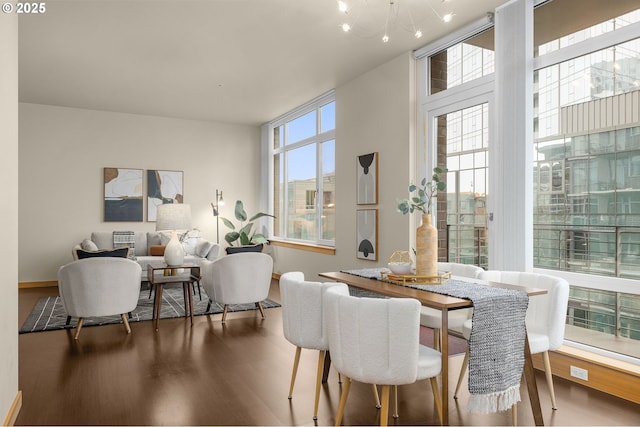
x: 412, y: 279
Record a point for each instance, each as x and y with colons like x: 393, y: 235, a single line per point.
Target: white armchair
x: 237, y: 279
x: 101, y: 286
x: 365, y: 345
x: 303, y: 322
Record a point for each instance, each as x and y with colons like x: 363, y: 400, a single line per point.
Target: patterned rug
x: 49, y: 314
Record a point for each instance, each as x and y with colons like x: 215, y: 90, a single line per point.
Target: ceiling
x: 237, y: 61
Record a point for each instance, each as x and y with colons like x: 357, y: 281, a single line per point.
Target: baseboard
x: 608, y: 375
x: 44, y: 284
x: 14, y: 410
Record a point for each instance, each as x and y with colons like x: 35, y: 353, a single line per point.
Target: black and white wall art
x: 367, y: 234
x: 123, y: 194
x: 367, y: 179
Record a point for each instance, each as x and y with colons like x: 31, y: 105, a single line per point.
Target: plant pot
x: 248, y: 248
x: 426, y: 248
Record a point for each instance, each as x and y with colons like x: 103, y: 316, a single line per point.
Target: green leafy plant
x: 244, y: 234
x: 426, y: 192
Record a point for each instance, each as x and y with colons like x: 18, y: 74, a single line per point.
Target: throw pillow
x: 118, y: 253
x: 203, y: 247
x: 156, y: 250
x: 88, y: 245
x: 190, y: 241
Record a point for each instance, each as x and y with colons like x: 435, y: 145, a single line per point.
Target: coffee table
x: 160, y: 274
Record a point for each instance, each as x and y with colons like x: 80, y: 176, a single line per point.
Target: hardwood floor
x: 233, y: 374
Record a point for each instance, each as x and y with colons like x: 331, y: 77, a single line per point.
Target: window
x: 303, y: 152
x: 587, y: 172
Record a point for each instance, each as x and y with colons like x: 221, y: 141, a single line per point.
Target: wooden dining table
x: 446, y: 303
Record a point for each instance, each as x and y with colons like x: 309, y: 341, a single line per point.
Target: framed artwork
x: 367, y: 179
x: 122, y: 194
x: 367, y: 234
x: 163, y: 187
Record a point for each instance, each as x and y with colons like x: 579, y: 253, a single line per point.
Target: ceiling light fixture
x: 358, y: 14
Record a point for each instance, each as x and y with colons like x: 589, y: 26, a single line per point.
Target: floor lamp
x: 216, y: 212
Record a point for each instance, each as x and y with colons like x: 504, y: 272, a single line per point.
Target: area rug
x: 49, y: 313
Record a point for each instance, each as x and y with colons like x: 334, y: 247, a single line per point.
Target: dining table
x: 446, y: 303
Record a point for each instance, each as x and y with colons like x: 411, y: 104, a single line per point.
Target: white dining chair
x: 432, y: 318
x: 365, y: 346
x: 545, y: 319
x: 303, y: 323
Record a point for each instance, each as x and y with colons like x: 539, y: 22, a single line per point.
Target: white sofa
x: 197, y: 249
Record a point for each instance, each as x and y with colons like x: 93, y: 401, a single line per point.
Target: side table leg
x: 190, y: 292
x: 157, y: 305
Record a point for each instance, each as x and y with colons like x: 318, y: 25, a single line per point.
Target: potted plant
x: 426, y: 234
x: 244, y: 238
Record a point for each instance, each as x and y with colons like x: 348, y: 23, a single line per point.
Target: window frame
x: 317, y: 140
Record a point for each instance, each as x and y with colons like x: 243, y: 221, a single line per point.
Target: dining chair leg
x: 463, y: 370
x: 78, y: 327
x: 514, y: 415
x: 384, y: 411
x: 374, y: 388
x: 343, y: 400
x: 259, y: 305
x: 436, y: 397
x: 321, y: 356
x: 224, y: 312
x: 549, y: 375
x: 395, y: 402
x: 296, y: 360
x: 125, y: 321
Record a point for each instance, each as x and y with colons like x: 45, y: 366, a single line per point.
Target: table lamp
x: 172, y: 217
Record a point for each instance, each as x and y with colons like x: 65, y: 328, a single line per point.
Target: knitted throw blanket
x: 125, y: 239
x: 496, y: 345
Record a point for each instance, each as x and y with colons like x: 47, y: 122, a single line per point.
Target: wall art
x: 123, y: 200
x: 367, y: 179
x: 163, y: 187
x: 367, y: 234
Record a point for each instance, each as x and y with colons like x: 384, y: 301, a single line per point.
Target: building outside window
x: 586, y: 179
x: 303, y: 152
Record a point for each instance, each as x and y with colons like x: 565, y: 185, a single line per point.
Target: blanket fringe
x: 494, y: 402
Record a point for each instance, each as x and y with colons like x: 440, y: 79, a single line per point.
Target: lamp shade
x: 173, y: 216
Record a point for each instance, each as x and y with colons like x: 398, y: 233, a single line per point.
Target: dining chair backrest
x: 373, y: 340
x: 462, y: 270
x: 302, y: 310
x: 546, y: 313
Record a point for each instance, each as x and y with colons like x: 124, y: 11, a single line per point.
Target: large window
x: 587, y: 173
x: 303, y: 150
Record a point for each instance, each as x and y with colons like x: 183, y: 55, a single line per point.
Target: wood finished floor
x: 233, y: 374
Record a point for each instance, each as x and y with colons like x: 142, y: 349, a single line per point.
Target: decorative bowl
x: 400, y: 267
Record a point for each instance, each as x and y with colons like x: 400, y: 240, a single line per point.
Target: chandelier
x: 378, y: 18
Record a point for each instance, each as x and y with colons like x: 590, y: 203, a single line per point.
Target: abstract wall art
x: 367, y: 179
x: 367, y: 234
x: 163, y: 187
x: 123, y: 199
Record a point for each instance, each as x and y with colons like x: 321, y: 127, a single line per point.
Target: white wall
x: 9, y: 213
x: 62, y: 155
x: 373, y: 113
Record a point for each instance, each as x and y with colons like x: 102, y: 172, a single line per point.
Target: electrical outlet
x: 580, y: 373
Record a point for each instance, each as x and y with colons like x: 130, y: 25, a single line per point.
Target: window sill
x: 327, y: 250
